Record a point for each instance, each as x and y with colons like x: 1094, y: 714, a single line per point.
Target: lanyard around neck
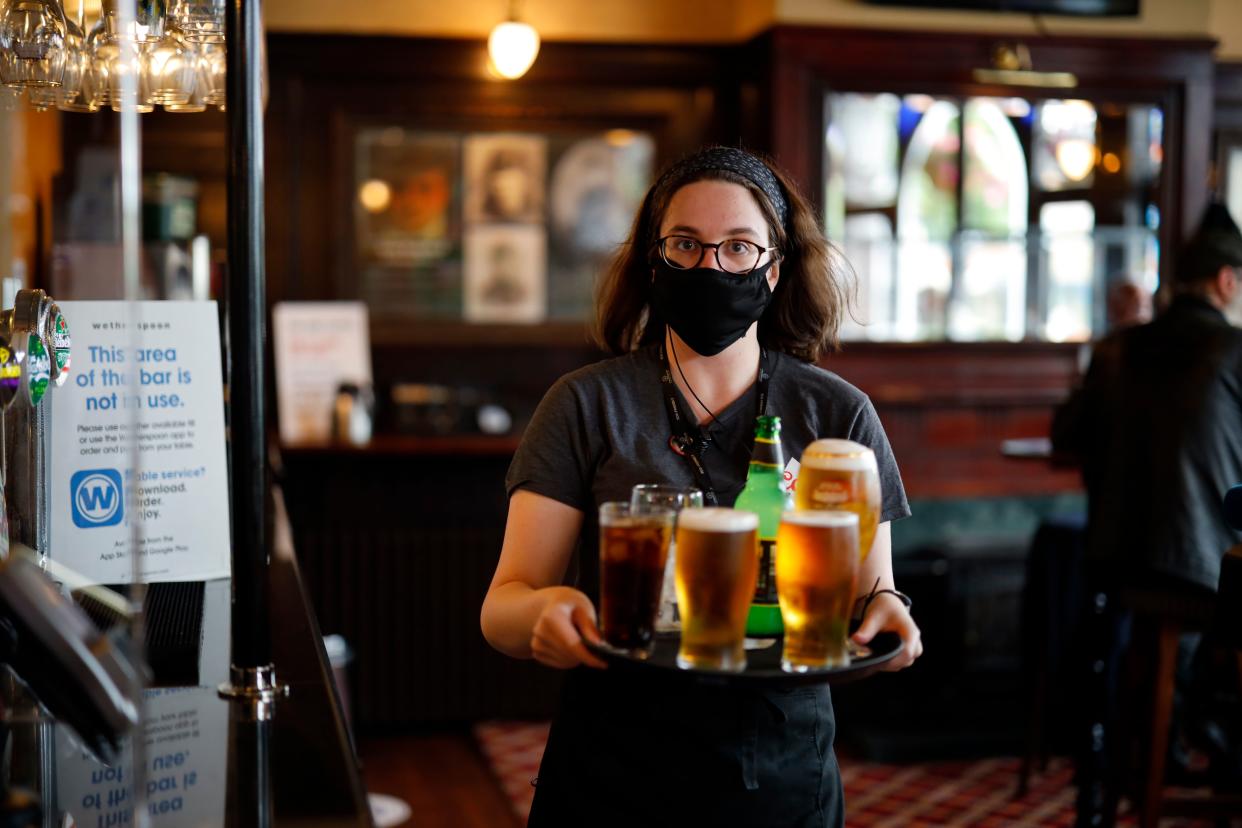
x: 687, y: 438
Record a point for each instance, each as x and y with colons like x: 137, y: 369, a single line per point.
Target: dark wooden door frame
x: 798, y: 65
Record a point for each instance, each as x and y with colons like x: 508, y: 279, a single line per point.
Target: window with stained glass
x: 986, y: 218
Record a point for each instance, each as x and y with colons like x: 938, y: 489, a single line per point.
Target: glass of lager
x: 816, y: 574
x: 675, y: 498
x: 633, y: 545
x: 716, y: 572
x: 842, y: 474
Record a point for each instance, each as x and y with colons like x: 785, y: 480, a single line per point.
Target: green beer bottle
x: 766, y: 496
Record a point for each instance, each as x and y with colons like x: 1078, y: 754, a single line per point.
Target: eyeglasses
x: 732, y: 255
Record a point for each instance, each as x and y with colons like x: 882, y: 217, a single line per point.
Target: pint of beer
x: 842, y: 474
x: 716, y: 572
x: 816, y: 573
x: 633, y: 545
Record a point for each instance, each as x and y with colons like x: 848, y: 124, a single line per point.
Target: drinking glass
x: 842, y: 474
x: 211, y: 74
x: 816, y: 576
x: 32, y: 43
x: 716, y: 572
x: 112, y: 60
x: 78, y: 83
x: 633, y: 545
x: 675, y: 498
x: 172, y: 66
x: 200, y: 21
x: 146, y: 26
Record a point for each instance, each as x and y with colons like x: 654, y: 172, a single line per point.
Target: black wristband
x: 901, y: 596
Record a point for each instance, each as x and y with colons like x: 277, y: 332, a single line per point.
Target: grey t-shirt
x: 603, y: 428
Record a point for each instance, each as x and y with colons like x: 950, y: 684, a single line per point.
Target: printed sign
x: 319, y: 345
x: 185, y: 734
x: 138, y: 438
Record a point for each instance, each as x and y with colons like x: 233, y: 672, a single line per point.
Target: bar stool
x: 1053, y: 605
x: 1159, y: 624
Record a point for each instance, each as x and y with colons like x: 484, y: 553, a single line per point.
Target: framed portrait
x: 407, y: 219
x: 595, y: 186
x: 506, y: 274
x: 505, y: 177
x: 491, y: 228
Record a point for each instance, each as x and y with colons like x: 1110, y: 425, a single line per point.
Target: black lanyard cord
x: 688, y: 439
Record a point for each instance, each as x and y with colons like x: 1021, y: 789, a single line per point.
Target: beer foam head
x: 842, y: 455
x: 715, y: 519
x: 821, y: 518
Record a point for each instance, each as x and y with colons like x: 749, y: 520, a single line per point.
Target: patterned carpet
x: 979, y: 793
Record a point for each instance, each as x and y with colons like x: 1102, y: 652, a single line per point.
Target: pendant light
x: 512, y: 46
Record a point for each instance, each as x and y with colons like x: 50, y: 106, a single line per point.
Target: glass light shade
x: 32, y: 43
x: 172, y: 70
x: 512, y: 47
x: 200, y: 21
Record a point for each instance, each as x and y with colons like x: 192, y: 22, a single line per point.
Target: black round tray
x: 763, y: 666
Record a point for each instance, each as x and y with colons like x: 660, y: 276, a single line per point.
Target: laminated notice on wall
x: 138, y: 438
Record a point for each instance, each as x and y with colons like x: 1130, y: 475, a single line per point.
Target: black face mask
x: 709, y: 309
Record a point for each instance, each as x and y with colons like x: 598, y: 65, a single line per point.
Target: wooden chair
x: 1157, y: 634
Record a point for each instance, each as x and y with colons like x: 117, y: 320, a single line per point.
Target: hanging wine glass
x: 147, y: 26
x: 77, y: 84
x: 194, y: 104
x: 113, y: 60
x: 211, y: 74
x: 32, y: 43
x: 200, y: 21
x: 42, y: 98
x: 172, y: 68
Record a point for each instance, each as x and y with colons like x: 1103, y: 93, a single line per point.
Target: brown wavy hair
x: 807, y: 305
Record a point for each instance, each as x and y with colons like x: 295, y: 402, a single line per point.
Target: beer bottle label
x: 765, y: 584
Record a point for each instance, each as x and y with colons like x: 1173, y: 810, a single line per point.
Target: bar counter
x: 207, y: 765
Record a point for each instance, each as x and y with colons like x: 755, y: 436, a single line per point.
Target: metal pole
x: 247, y: 335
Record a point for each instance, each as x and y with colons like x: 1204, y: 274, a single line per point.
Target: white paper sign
x: 158, y: 364
x: 319, y: 345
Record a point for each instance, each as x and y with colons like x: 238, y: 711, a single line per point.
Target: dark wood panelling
x: 325, y: 87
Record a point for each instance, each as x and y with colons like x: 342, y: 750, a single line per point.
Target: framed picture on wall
x: 491, y: 227
x: 505, y: 177
x: 407, y: 220
x: 505, y: 274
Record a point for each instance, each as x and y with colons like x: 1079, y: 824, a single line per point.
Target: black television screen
x: 1109, y: 8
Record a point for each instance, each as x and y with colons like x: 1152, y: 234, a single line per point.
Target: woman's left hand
x: 888, y: 614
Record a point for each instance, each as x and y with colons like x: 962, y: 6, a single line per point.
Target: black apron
x: 647, y: 750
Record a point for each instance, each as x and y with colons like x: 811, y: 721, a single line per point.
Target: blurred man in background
x: 1157, y: 428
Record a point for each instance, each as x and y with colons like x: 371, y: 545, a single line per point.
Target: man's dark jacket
x: 1157, y: 426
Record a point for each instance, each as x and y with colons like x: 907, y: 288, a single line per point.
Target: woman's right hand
x: 567, y: 617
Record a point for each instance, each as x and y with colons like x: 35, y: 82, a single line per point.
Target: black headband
x: 732, y: 160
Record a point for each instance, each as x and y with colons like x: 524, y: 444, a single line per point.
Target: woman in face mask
x: 717, y: 307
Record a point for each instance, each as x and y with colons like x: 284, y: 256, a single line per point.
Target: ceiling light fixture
x: 512, y: 46
x: 1011, y: 66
